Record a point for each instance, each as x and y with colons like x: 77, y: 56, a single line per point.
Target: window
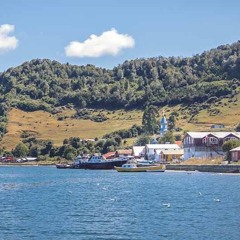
x: 187, y: 140
x: 230, y: 138
x: 213, y: 140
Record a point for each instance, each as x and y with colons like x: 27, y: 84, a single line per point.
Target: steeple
x: 154, y: 141
x: 163, y: 125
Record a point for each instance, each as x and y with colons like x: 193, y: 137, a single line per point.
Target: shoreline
x: 214, y: 168
x: 26, y: 164
x: 229, y: 168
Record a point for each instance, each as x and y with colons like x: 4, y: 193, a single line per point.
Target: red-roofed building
x: 121, y: 152
x: 109, y: 155
x: 179, y: 143
x: 124, y: 152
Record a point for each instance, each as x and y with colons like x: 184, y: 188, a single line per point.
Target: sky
x: 105, y: 33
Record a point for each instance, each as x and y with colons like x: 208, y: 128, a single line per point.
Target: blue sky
x: 123, y: 29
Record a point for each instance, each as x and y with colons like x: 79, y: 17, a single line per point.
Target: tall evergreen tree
x: 149, y: 119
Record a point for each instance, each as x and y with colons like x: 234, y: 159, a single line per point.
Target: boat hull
x: 63, y: 166
x: 154, y: 168
x: 101, y: 165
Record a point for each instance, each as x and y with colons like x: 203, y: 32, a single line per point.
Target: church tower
x: 163, y: 125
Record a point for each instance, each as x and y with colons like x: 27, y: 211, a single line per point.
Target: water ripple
x: 45, y: 203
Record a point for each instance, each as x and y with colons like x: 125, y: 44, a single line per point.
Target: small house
x: 118, y: 153
x: 217, y: 126
x: 123, y: 152
x: 153, y: 151
x: 235, y: 154
x: 138, y: 151
x: 169, y: 155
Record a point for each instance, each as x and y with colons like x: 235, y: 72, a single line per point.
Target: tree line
x: 44, y: 84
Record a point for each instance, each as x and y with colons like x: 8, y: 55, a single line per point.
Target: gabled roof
x: 216, y: 134
x: 198, y: 134
x: 162, y: 146
x: 235, y: 149
x: 179, y: 143
x: 137, y: 150
x: 225, y: 134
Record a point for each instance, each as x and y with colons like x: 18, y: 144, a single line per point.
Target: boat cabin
x: 129, y: 165
x: 96, y: 159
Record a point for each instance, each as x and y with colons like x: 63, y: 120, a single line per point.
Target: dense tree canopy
x: 44, y: 84
x: 21, y: 150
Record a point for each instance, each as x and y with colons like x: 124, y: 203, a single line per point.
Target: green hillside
x: 202, y: 90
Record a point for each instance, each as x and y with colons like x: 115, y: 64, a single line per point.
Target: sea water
x: 50, y: 203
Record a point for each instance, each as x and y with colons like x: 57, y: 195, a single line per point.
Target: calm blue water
x: 50, y: 203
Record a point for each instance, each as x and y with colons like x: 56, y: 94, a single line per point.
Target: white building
x: 138, y: 151
x: 206, y: 144
x: 154, y: 151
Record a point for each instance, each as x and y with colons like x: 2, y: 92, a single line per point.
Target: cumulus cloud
x: 108, y: 43
x: 7, y: 42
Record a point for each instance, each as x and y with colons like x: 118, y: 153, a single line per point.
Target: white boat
x: 133, y: 167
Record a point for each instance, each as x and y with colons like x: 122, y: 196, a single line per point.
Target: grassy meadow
x: 228, y: 114
x: 44, y: 125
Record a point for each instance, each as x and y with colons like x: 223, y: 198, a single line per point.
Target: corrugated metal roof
x: 217, y: 134
x: 162, y: 146
x: 173, y: 151
x: 198, y: 134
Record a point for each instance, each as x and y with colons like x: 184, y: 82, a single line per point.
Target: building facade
x: 206, y: 144
x: 155, y: 151
x: 235, y: 154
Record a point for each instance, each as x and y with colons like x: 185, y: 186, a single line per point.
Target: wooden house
x: 154, y: 151
x: 235, y: 154
x: 206, y: 144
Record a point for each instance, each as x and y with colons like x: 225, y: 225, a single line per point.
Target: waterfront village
x: 198, y: 145
x: 195, y: 145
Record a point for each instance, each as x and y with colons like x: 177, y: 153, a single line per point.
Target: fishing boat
x: 134, y: 167
x: 98, y: 162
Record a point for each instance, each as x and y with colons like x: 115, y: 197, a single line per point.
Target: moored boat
x: 98, y: 162
x: 133, y: 167
x: 64, y: 165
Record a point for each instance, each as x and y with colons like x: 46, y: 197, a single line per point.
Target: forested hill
x: 45, y: 84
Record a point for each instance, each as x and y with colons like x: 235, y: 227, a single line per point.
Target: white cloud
x: 7, y: 42
x: 108, y: 43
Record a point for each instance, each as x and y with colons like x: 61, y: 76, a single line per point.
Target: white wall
x: 191, y: 152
